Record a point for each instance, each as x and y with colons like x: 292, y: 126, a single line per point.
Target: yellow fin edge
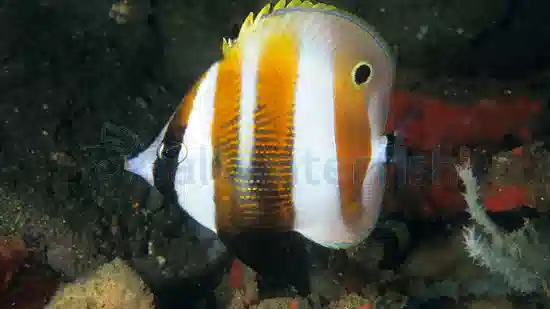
x: 251, y: 21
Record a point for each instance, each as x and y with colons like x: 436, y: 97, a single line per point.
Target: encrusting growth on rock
x: 114, y: 285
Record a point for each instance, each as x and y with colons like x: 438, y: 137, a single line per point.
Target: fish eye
x: 167, y: 151
x: 361, y: 73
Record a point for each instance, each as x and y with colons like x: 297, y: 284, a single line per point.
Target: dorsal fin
x: 252, y: 21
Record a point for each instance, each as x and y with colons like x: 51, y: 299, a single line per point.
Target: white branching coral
x: 518, y: 256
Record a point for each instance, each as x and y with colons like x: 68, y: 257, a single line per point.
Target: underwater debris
x: 120, y: 11
x: 519, y: 256
x: 114, y: 285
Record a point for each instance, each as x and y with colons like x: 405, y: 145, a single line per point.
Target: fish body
x: 286, y: 132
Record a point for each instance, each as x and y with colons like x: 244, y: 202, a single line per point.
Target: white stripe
x: 251, y: 50
x: 193, y: 183
x: 316, y: 196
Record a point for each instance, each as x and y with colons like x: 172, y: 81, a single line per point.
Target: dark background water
x: 81, y: 87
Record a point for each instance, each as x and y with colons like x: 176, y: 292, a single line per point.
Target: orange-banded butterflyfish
x: 286, y: 132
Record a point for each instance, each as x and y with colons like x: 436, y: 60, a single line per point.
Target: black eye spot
x: 172, y: 151
x: 168, y: 151
x: 361, y: 74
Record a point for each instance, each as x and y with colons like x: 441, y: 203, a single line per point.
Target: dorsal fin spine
x: 251, y: 21
x: 264, y: 11
x: 281, y: 4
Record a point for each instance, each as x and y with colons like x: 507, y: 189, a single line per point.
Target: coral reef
x: 520, y: 256
x: 429, y: 122
x: 351, y: 301
x: 114, y: 285
x: 436, y: 131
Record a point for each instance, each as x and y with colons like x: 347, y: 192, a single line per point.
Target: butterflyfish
x: 286, y: 132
